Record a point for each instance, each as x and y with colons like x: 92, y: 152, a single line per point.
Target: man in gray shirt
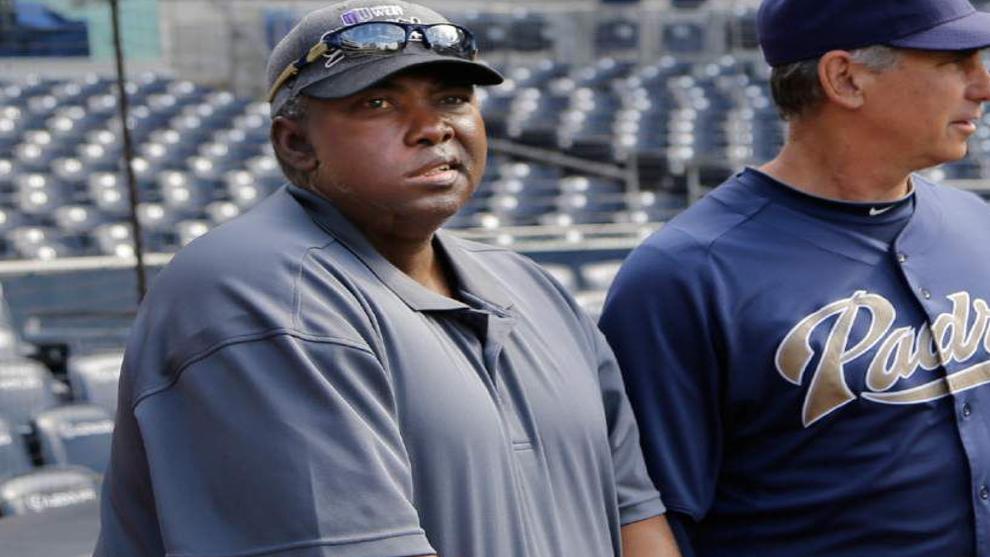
x: 331, y: 375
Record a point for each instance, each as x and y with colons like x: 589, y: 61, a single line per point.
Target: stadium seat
x: 93, y: 378
x: 492, y: 31
x: 113, y: 239
x: 77, y: 219
x: 47, y: 489
x: 528, y: 31
x: 36, y: 242
x: 76, y: 434
x: 616, y: 34
x: 599, y: 275
x: 26, y: 387
x: 14, y: 457
x: 683, y: 38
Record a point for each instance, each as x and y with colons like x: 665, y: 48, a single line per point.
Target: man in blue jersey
x: 807, y: 349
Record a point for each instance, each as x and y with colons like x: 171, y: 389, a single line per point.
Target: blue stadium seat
x: 93, y: 378
x: 26, y: 387
x: 687, y: 4
x: 599, y: 275
x: 683, y: 37
x: 37, y: 242
x: 515, y: 211
x: 113, y: 238
x: 218, y: 212
x: 77, y: 219
x: 491, y: 30
x: 47, y: 489
x: 14, y: 457
x: 528, y: 31
x: 76, y: 434
x: 188, y: 230
x: 616, y: 34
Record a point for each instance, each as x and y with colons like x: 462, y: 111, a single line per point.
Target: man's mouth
x: 437, y: 170
x: 436, y: 167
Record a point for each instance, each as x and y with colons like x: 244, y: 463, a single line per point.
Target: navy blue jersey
x: 807, y: 388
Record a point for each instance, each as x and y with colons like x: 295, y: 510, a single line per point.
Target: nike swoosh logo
x: 875, y: 211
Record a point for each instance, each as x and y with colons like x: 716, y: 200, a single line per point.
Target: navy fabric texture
x: 783, y: 373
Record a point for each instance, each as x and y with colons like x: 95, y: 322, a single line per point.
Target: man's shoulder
x: 274, y: 229
x: 957, y: 200
x: 698, y: 229
x: 243, y: 279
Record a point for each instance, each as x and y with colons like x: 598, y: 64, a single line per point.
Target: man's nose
x: 429, y: 126
x: 980, y: 88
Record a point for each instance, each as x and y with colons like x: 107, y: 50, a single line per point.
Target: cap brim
x: 965, y: 33
x: 360, y: 77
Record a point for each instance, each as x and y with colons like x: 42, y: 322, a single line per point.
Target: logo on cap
x: 360, y: 15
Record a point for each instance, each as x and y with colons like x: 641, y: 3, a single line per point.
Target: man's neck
x: 418, y: 259
x: 835, y: 166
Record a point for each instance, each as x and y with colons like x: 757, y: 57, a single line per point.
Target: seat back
x: 94, y: 378
x: 25, y: 388
x: 14, y: 457
x: 77, y: 434
x: 46, y: 489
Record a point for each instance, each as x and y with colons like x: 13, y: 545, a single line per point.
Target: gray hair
x: 797, y: 89
x: 295, y: 109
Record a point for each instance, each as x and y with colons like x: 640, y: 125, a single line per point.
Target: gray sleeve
x: 638, y: 498
x: 281, y: 446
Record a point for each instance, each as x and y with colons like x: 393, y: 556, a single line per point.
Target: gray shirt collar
x: 473, y: 279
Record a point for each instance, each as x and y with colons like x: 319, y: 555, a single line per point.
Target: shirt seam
x: 241, y: 339
x: 296, y: 294
x: 300, y: 545
x: 709, y: 245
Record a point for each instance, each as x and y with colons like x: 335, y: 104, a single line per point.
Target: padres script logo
x: 901, y: 352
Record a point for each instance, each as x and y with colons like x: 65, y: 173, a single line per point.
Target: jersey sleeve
x: 657, y: 322
x: 636, y: 494
x: 283, y: 446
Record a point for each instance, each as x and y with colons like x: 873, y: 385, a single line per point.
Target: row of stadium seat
x: 204, y: 156
x: 54, y: 436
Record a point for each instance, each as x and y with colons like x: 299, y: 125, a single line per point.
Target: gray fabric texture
x: 287, y: 391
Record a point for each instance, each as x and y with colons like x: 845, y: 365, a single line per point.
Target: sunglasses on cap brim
x: 383, y: 38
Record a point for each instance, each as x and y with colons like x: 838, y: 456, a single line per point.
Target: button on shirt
x: 286, y: 390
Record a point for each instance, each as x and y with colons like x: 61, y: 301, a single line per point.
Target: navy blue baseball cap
x: 795, y: 30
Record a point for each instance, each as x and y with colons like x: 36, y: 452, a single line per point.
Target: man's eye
x: 456, y: 99
x: 376, y: 103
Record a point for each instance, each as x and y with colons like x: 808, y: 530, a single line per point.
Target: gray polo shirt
x: 287, y: 391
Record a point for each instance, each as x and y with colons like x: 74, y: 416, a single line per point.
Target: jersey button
x: 984, y: 492
x: 902, y: 258
x: 926, y: 294
x: 967, y: 410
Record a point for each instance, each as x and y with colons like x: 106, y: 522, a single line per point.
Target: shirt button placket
x: 967, y: 410
x: 984, y: 493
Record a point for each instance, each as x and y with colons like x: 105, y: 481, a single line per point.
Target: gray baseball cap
x: 350, y: 74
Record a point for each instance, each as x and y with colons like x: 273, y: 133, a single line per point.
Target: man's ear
x: 842, y: 79
x: 290, y: 140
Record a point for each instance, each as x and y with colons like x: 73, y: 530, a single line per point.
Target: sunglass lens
x: 373, y: 37
x: 447, y: 38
